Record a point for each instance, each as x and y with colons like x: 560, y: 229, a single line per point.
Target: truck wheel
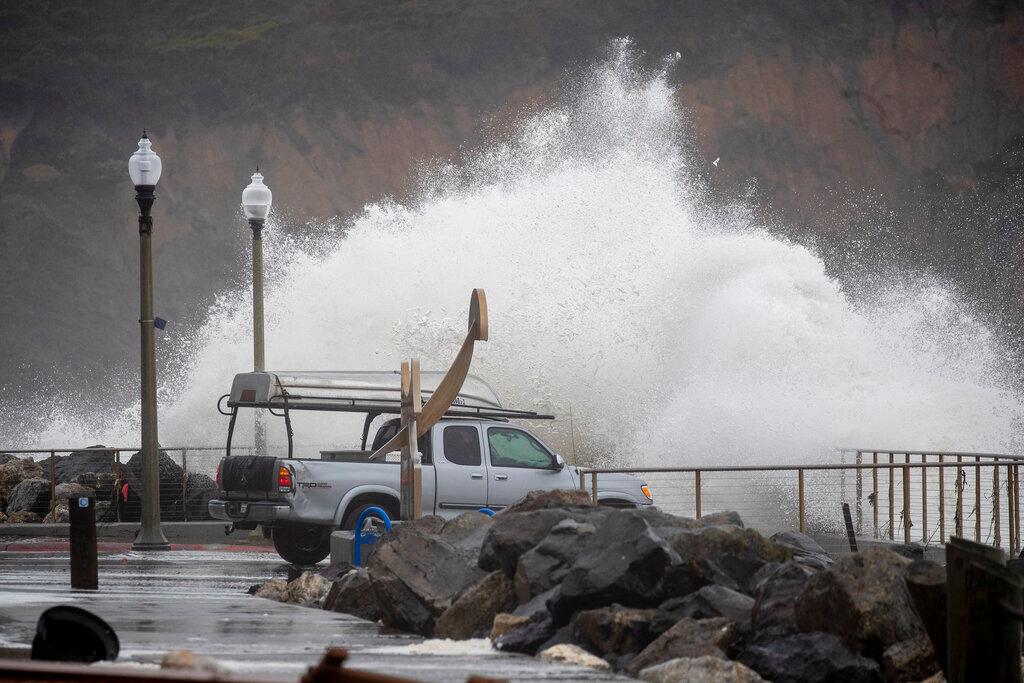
x: 352, y: 517
x: 302, y: 544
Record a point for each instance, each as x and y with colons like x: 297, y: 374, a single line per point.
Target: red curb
x: 109, y: 547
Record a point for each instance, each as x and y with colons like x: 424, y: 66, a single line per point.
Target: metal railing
x: 895, y: 495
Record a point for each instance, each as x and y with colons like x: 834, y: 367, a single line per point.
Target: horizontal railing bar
x: 16, y: 451
x: 792, y: 468
x: 903, y: 451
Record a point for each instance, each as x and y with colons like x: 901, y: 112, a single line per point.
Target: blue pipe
x: 367, y: 539
x: 487, y: 511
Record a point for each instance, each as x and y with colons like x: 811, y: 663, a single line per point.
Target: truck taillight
x: 284, y: 479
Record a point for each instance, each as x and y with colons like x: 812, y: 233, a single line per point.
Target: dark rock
x: 199, y: 491
x: 537, y: 606
x: 926, y: 583
x: 170, y: 486
x: 776, y: 594
x: 805, y: 549
x: 468, y: 530
x: 864, y: 600
x: 616, y: 629
x: 565, y: 635
x: 15, y: 471
x: 335, y: 571
x: 29, y: 495
x: 416, y: 575
x: 511, y: 535
x: 544, y: 566
x: 472, y: 614
x: 352, y: 594
x: 809, y: 658
x: 544, y: 500
x: 720, y: 518
x: 687, y: 638
x: 911, y: 551
x: 73, y: 490
x: 526, y: 638
x: 910, y: 660
x: 103, y: 512
x: 24, y: 517
x: 623, y: 562
x: 727, y: 555
x: 704, y: 669
x: 505, y: 622
x: 70, y: 466
x: 706, y: 603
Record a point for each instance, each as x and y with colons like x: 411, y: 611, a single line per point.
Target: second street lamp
x: 144, y: 168
x: 256, y: 201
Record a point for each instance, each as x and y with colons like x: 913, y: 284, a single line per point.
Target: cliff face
x: 849, y: 117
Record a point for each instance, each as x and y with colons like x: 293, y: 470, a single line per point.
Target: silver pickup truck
x: 473, y: 458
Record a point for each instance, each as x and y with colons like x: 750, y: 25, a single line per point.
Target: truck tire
x: 352, y: 517
x: 302, y: 544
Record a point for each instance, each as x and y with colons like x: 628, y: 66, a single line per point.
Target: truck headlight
x: 647, y: 492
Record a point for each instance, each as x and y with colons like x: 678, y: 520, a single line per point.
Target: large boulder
x: 70, y: 466
x: 13, y: 472
x: 473, y: 613
x: 707, y: 603
x: 7, y: 457
x: 864, y: 600
x: 58, y: 515
x: 688, y: 638
x: 29, y: 495
x: 523, y: 635
x: 805, y: 549
x: 704, y: 669
x: 416, y: 575
x: 351, y: 594
x: 777, y: 588
x: 24, y: 517
x: 615, y: 630
x: 512, y: 535
x: 724, y: 554
x: 725, y: 517
x: 546, y: 499
x: 73, y: 490
x: 170, y: 485
x: 624, y: 562
x: 910, y: 660
x: 545, y: 565
x: 467, y: 531
x: 809, y: 658
x: 199, y: 491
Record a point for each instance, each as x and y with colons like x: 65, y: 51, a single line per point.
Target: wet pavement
x: 197, y: 600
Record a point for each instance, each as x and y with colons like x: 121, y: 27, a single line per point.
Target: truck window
x: 462, y: 445
x: 390, y: 428
x: 513, y: 448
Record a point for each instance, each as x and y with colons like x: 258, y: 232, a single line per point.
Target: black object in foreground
x: 72, y: 634
x: 82, y: 515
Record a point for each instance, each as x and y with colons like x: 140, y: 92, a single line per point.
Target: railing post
x: 696, y: 493
x: 892, y: 500
x: 593, y: 486
x: 997, y: 536
x: 1010, y: 531
x: 961, y: 479
x: 184, y: 485
x: 860, y: 493
x: 942, y: 500
x: 53, y: 485
x: 874, y: 491
x: 583, y: 481
x: 1016, y: 504
x: 800, y: 480
x: 977, y: 500
x: 924, y: 500
x: 906, y: 503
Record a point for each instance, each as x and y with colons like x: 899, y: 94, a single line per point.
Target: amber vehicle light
x: 284, y: 479
x: 647, y: 492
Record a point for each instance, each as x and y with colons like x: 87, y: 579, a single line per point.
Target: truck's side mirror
x: 559, y: 463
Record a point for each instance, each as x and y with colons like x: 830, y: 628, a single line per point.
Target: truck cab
x: 474, y: 457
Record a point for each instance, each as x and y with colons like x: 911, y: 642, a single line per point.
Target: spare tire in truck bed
x: 248, y: 473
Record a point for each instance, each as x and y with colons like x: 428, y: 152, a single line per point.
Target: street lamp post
x: 144, y: 168
x: 256, y: 201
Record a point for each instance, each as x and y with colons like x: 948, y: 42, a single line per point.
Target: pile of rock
x: 25, y: 494
x: 646, y: 593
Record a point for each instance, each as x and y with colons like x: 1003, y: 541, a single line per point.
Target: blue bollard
x: 487, y: 511
x: 362, y: 539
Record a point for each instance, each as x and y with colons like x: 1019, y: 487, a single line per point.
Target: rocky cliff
x: 867, y: 128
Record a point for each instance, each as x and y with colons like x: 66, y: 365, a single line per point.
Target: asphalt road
x: 197, y: 600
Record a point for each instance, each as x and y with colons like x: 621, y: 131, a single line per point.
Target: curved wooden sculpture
x: 417, y: 420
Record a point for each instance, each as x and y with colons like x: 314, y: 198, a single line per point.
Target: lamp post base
x: 152, y: 541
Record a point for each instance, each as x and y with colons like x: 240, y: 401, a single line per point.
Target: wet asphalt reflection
x: 197, y: 600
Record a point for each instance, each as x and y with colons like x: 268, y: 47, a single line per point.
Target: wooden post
x: 977, y: 501
x: 906, y: 504
x: 82, y: 532
x: 1009, y: 508
x: 997, y: 535
x: 924, y: 501
x: 184, y: 485
x: 593, y: 487
x: 860, y: 494
x: 874, y: 491
x: 892, y: 501
x: 696, y: 492
x: 961, y: 478
x: 53, y: 484
x: 850, y: 535
x: 942, y: 501
x: 583, y: 481
x: 1016, y: 503
x: 800, y: 484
